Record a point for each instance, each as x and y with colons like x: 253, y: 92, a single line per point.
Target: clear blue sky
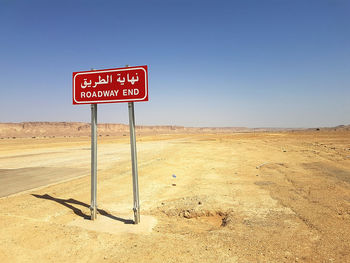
x: 262, y: 63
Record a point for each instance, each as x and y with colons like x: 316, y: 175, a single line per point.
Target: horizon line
x: 183, y: 126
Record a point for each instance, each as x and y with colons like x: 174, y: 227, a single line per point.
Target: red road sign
x: 110, y: 85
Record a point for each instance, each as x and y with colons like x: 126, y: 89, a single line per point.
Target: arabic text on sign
x: 109, y: 79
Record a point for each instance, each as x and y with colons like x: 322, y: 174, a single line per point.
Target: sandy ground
x: 264, y: 197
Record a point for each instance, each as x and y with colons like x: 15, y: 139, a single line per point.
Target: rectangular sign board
x: 110, y: 85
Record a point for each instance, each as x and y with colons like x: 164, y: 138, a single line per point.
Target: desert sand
x: 206, y: 197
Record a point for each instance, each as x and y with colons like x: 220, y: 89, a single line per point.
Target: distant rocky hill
x: 336, y: 128
x: 75, y: 129
x: 342, y: 128
x: 50, y: 129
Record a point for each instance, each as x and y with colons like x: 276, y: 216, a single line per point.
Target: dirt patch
x: 219, y: 210
x: 108, y: 225
x: 196, y: 212
x: 323, y: 169
x: 263, y: 183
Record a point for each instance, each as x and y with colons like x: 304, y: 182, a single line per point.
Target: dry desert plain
x: 237, y: 197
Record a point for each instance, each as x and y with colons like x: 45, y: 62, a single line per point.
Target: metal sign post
x: 129, y: 84
x: 93, y: 206
x: 135, y: 180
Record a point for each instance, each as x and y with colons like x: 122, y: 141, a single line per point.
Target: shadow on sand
x: 70, y: 202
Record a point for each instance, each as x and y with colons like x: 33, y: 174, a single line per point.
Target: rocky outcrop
x: 336, y: 128
x: 61, y: 129
x: 75, y: 129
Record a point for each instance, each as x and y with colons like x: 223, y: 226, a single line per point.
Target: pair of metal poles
x: 93, y: 206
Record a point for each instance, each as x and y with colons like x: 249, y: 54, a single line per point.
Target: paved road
x: 17, y: 180
x: 26, y: 164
